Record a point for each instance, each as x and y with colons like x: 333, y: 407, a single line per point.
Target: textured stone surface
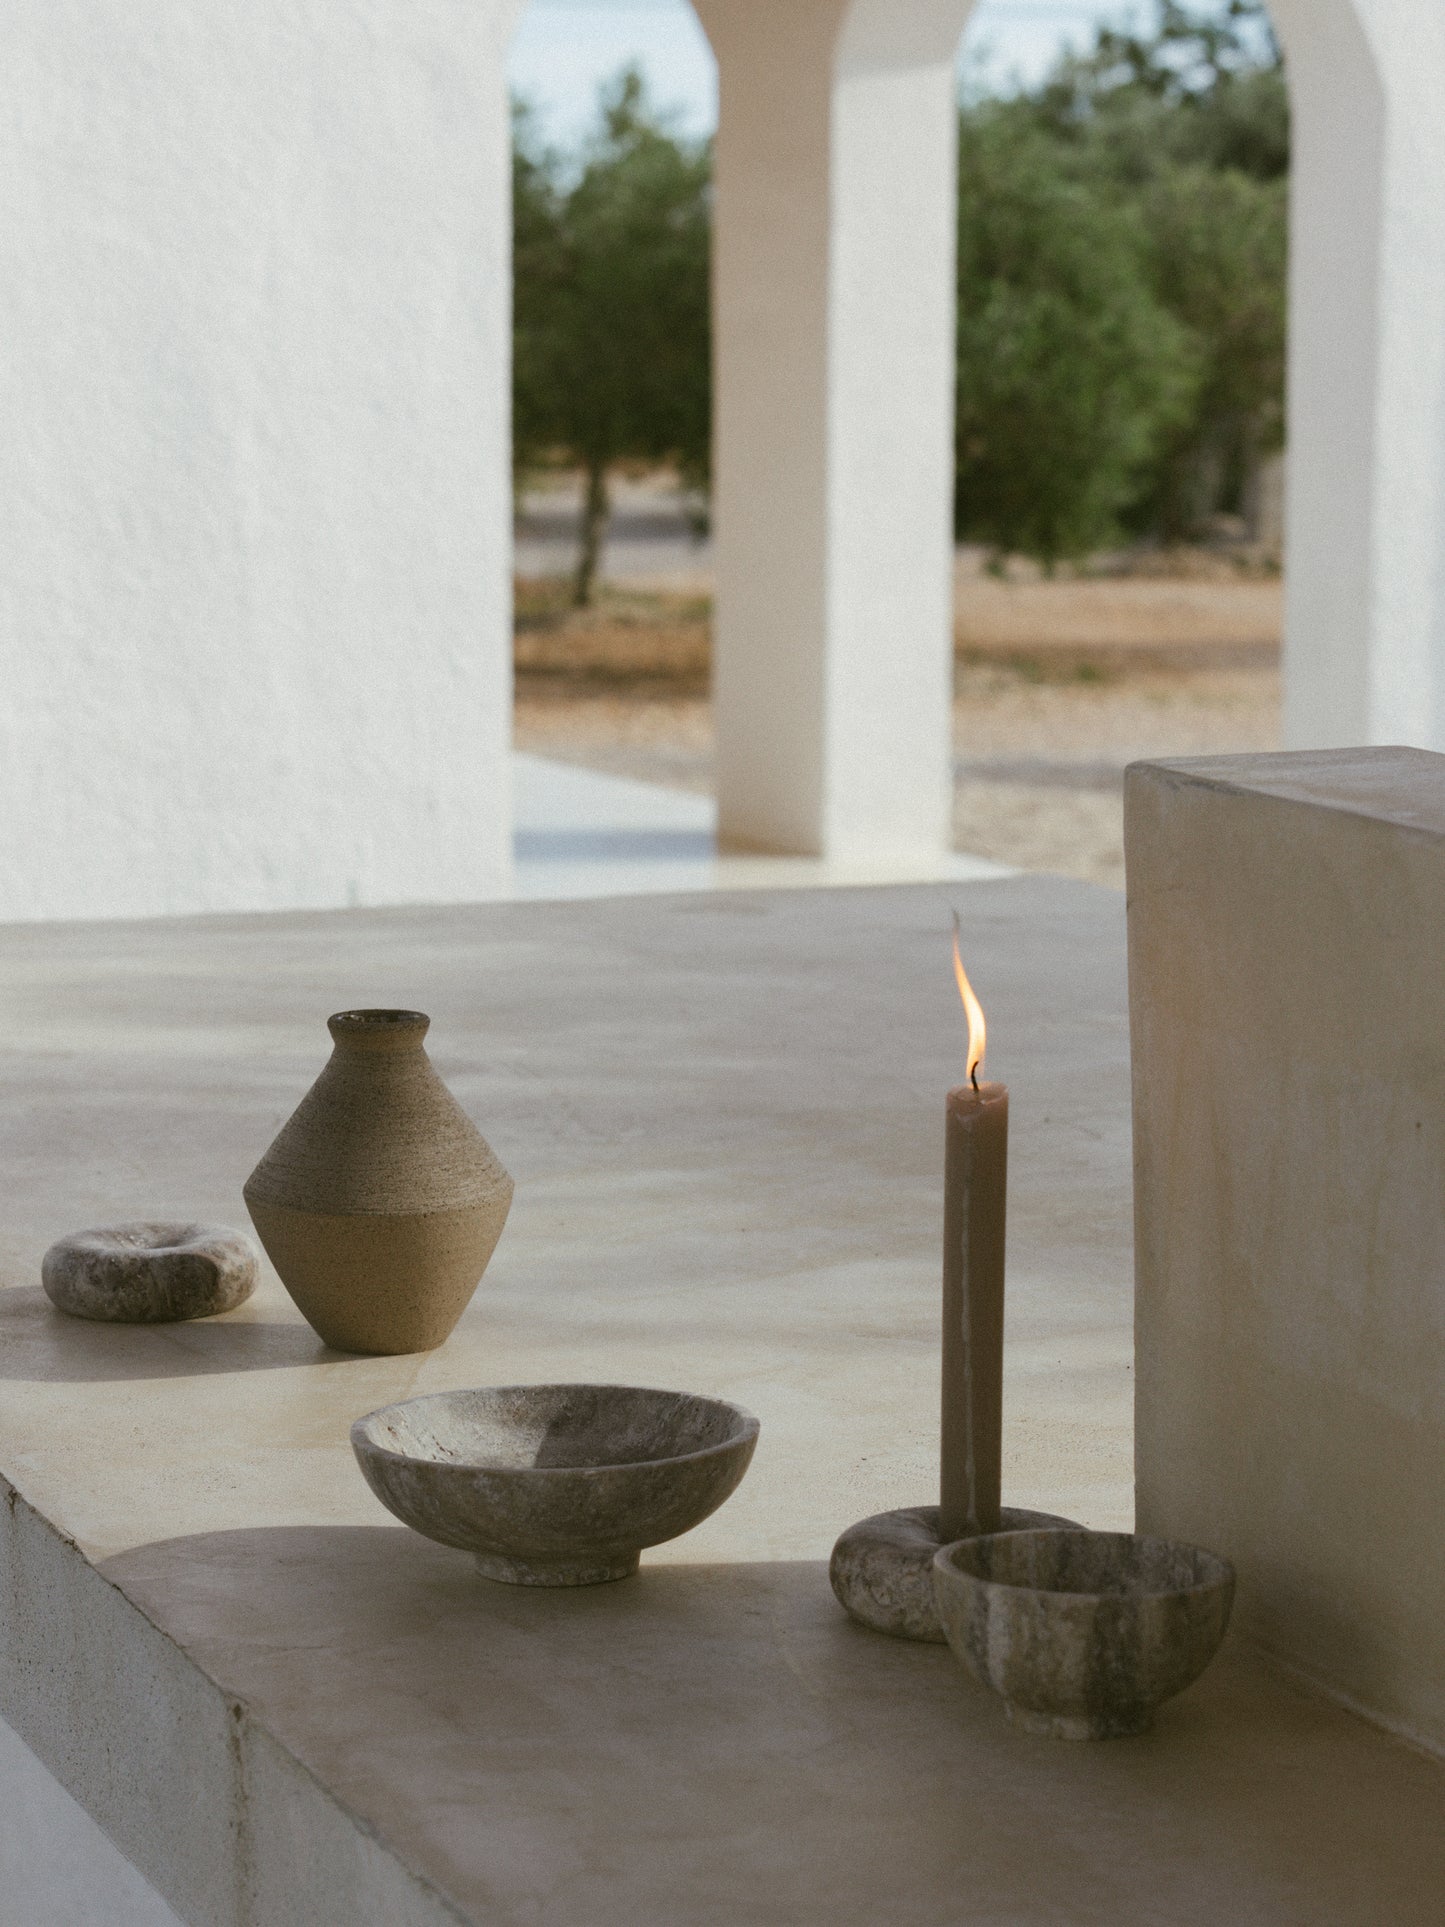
x: 1083, y: 1634
x: 722, y: 1113
x: 379, y: 1202
x: 152, y: 1273
x: 881, y: 1570
x: 555, y: 1485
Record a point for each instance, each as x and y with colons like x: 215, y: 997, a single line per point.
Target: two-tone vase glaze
x: 379, y: 1203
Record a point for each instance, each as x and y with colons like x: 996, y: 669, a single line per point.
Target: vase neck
x: 378, y: 1030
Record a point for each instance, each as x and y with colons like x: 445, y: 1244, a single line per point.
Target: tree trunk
x: 595, y: 511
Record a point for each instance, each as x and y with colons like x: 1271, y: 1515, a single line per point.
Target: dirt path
x: 1058, y: 686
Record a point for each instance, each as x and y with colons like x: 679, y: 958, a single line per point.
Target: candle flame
x: 977, y: 1029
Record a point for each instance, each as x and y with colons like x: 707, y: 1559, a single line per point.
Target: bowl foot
x: 555, y: 1572
x: 1083, y: 1726
x: 882, y: 1569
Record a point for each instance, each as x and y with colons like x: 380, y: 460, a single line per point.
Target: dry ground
x: 1058, y: 685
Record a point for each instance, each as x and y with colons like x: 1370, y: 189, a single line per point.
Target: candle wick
x: 974, y: 1075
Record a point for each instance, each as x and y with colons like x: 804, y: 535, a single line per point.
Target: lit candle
x: 975, y: 1187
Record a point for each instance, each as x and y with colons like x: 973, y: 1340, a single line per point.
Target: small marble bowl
x: 154, y: 1273
x: 1083, y: 1634
x: 554, y: 1485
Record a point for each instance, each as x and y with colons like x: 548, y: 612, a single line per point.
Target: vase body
x: 379, y: 1203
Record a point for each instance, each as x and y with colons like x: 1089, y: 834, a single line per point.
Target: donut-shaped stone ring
x: 150, y: 1274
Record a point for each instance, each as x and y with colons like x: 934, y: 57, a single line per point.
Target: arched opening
x: 614, y: 109
x: 1118, y: 588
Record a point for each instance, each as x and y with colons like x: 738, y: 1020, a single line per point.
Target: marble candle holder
x: 1083, y: 1635
x: 881, y: 1570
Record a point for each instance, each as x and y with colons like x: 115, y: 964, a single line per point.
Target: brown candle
x: 975, y: 1190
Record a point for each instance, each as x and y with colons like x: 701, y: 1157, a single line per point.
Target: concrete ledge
x: 724, y: 1116
x: 219, y: 1818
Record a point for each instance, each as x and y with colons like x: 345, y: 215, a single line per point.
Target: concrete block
x: 1287, y: 1010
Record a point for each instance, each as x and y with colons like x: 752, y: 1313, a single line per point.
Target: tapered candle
x: 975, y: 1189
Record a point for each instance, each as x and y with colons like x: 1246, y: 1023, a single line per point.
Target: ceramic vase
x: 379, y: 1203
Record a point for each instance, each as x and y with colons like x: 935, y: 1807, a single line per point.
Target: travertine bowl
x: 554, y: 1485
x: 1083, y: 1634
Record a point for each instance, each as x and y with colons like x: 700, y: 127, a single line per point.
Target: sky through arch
x: 564, y: 49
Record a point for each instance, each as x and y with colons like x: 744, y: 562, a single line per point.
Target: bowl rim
x: 748, y: 1432
x: 943, y: 1562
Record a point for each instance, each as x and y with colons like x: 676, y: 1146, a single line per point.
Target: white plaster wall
x: 254, y: 487
x: 834, y: 304
x: 1365, y: 510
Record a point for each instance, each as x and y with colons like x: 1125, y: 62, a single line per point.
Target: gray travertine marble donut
x: 150, y: 1274
x: 882, y: 1568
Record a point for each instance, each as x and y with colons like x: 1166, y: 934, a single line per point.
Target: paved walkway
x: 581, y: 834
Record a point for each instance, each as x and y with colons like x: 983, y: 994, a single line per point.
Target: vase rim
x: 395, y: 1029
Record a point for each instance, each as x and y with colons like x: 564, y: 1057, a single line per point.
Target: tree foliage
x: 1121, y: 279
x: 1140, y: 387
x: 1217, y: 246
x: 611, y: 308
x: 1070, y: 371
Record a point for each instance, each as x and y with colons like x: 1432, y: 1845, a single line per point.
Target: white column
x: 254, y: 577
x: 834, y: 303
x: 1365, y: 509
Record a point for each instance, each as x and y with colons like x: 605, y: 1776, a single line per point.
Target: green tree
x: 537, y: 272
x: 1189, y: 126
x: 1162, y: 157
x: 612, y: 321
x: 1203, y: 89
x: 1071, y: 374
x: 1122, y: 238
x: 1217, y: 253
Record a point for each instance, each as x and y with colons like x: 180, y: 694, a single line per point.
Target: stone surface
x: 723, y: 1117
x: 152, y: 1273
x: 1083, y: 1634
x: 1288, y: 1007
x: 379, y: 1202
x: 555, y: 1485
x: 881, y: 1570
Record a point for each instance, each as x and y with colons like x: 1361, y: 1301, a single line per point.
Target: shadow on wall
x: 723, y: 1730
